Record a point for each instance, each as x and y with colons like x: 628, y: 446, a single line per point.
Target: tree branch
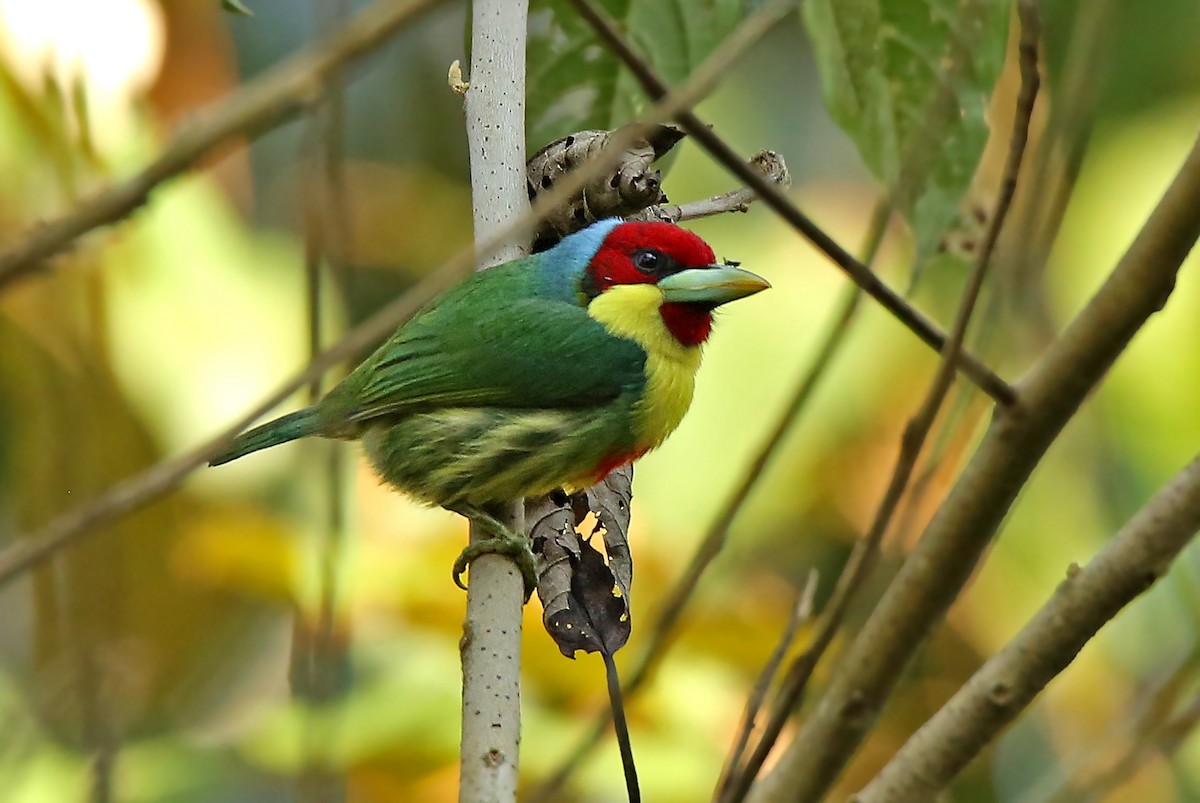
x: 859, y: 273
x: 964, y: 524
x: 319, y: 659
x: 1085, y: 601
x: 289, y: 88
x: 491, y: 644
x: 769, y: 164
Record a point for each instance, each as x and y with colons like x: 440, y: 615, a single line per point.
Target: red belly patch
x: 613, y: 461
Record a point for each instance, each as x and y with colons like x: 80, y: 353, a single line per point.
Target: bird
x: 543, y: 373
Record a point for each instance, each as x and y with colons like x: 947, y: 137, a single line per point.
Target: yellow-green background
x: 168, y: 634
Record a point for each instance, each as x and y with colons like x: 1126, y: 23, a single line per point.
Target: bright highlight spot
x: 115, y: 47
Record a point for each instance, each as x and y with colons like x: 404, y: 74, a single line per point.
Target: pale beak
x: 713, y: 285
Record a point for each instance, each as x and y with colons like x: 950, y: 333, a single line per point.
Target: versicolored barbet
x: 546, y: 372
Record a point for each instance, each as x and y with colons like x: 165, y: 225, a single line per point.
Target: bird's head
x: 665, y: 267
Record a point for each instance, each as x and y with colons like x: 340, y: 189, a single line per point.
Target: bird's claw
x: 503, y: 542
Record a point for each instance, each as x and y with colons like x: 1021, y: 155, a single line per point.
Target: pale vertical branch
x: 491, y: 644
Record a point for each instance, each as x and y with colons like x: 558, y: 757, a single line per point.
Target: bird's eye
x: 648, y: 261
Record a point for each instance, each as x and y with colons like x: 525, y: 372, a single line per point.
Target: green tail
x: 281, y: 430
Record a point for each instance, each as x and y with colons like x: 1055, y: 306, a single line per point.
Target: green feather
x: 501, y: 388
x: 288, y: 428
x: 536, y: 349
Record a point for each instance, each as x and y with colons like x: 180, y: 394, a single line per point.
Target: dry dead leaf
x: 630, y: 187
x: 585, y: 599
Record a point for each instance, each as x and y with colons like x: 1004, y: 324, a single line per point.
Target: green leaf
x: 576, y: 84
x: 1141, y: 54
x: 236, y: 7
x: 909, y: 81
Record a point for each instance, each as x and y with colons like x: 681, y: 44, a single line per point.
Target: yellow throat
x: 632, y: 311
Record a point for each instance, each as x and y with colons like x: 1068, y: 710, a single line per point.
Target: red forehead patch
x: 613, y: 262
x: 686, y: 248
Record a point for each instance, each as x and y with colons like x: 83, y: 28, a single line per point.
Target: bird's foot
x: 503, y: 542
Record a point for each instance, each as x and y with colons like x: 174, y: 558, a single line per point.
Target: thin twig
x: 768, y: 163
x: 621, y: 727
x: 1002, y: 688
x: 866, y: 552
x: 675, y: 601
x: 801, y: 613
x: 859, y: 273
x: 283, y: 91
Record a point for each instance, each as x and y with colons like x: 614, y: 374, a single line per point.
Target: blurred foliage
x: 575, y: 84
x: 909, y: 82
x: 159, y: 646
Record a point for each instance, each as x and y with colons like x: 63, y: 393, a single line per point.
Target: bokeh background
x: 150, y: 662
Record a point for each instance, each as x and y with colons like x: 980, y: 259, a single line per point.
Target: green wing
x: 531, y: 353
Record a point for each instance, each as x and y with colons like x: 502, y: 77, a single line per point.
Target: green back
x: 513, y: 336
